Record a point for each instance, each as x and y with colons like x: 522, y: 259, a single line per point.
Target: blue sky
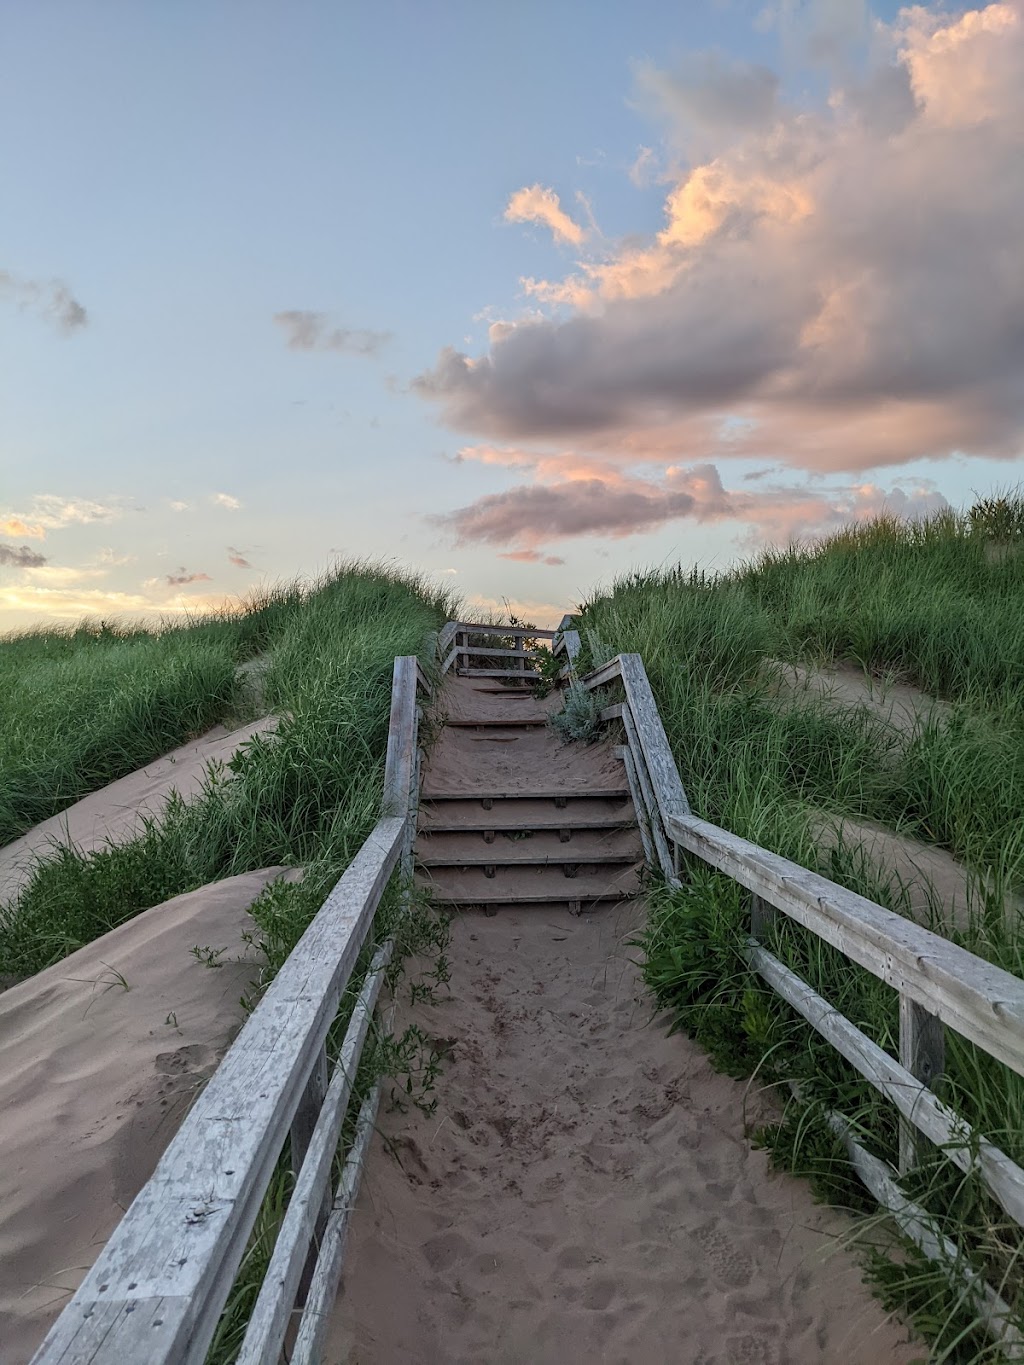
x: 189, y: 173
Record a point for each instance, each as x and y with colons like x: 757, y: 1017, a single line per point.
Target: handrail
x: 939, y: 983
x: 157, y: 1289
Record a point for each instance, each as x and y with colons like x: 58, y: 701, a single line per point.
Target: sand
x: 586, y: 1188
x: 100, y: 1057
x: 897, y: 705
x: 116, y: 812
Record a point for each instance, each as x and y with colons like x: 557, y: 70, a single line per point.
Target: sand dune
x: 115, y: 812
x: 100, y: 1056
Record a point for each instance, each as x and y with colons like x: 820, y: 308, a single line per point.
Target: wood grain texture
x: 401, y: 751
x: 968, y: 1150
x: 981, y: 1001
x: 923, y: 1053
x: 157, y: 1288
x: 324, y: 1289
x: 265, y: 1334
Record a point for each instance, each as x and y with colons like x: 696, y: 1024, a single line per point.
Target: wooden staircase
x: 508, y: 814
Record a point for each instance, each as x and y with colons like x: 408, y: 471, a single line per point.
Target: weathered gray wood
x: 302, y: 1129
x: 173, y: 1258
x: 981, y: 1001
x: 423, y: 683
x: 571, y: 643
x: 265, y: 1334
x: 915, y: 1102
x: 401, y: 738
x: 762, y: 916
x: 643, y: 824
x: 653, y: 740
x: 445, y: 636
x: 650, y: 799
x: 601, y: 677
x: 324, y: 1290
x: 450, y: 660
x: 486, y: 652
x: 923, y: 1053
x: 613, y: 712
x: 922, y: 1229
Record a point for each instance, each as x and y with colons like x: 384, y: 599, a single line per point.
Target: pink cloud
x: 536, y: 204
x: 848, y: 281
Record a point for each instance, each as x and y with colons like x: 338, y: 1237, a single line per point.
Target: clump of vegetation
x: 579, y: 721
x: 929, y: 603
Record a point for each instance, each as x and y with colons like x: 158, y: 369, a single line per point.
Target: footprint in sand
x: 751, y: 1350
x: 731, y: 1265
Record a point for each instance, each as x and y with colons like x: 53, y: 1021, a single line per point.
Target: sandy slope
x: 95, y: 1079
x: 115, y: 812
x: 585, y: 1190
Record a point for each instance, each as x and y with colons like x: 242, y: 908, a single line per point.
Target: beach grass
x: 939, y: 605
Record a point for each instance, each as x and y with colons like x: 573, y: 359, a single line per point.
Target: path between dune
x: 585, y: 1189
x: 116, y: 812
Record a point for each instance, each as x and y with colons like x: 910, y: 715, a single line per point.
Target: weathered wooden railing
x: 454, y: 647
x: 940, y: 985
x: 157, y: 1289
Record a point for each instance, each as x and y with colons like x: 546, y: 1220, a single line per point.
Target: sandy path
x: 585, y: 1189
x: 100, y: 1057
x: 115, y: 812
x: 897, y: 705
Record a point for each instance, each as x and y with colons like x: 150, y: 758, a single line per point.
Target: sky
x: 523, y: 296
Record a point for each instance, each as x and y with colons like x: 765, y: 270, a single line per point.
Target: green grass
x: 306, y: 795
x: 940, y: 605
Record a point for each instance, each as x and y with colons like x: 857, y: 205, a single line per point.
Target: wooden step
x: 490, y: 724
x: 565, y: 794
x: 580, y: 813
x: 580, y: 848
x: 529, y: 886
x: 513, y: 674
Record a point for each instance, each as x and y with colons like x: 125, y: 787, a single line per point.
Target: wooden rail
x: 157, y: 1289
x: 453, y: 645
x: 940, y: 986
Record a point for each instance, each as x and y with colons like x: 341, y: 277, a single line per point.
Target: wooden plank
x: 650, y: 800
x: 303, y: 1126
x: 613, y: 712
x: 601, y: 677
x: 571, y: 641
x: 265, y: 1333
x: 499, y: 673
x: 423, y: 683
x: 445, y: 636
x: 660, y: 763
x: 173, y: 1258
x: 487, y: 652
x: 922, y: 1052
x: 401, y: 750
x: 917, y: 1105
x: 527, y: 632
x: 922, y: 1229
x: 450, y: 659
x: 642, y: 821
x: 541, y: 794
x: 762, y: 917
x: 981, y: 1001
x: 316, y: 1315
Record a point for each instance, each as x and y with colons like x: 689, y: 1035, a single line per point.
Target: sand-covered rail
x: 100, y: 1057
x: 586, y: 1188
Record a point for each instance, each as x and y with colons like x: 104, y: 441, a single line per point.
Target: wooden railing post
x: 923, y: 1053
x: 762, y: 916
x: 303, y: 1124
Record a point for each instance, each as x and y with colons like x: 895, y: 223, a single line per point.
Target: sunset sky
x: 522, y: 294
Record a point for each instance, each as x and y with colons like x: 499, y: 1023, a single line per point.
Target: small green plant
x: 549, y: 666
x: 209, y: 957
x: 579, y: 721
